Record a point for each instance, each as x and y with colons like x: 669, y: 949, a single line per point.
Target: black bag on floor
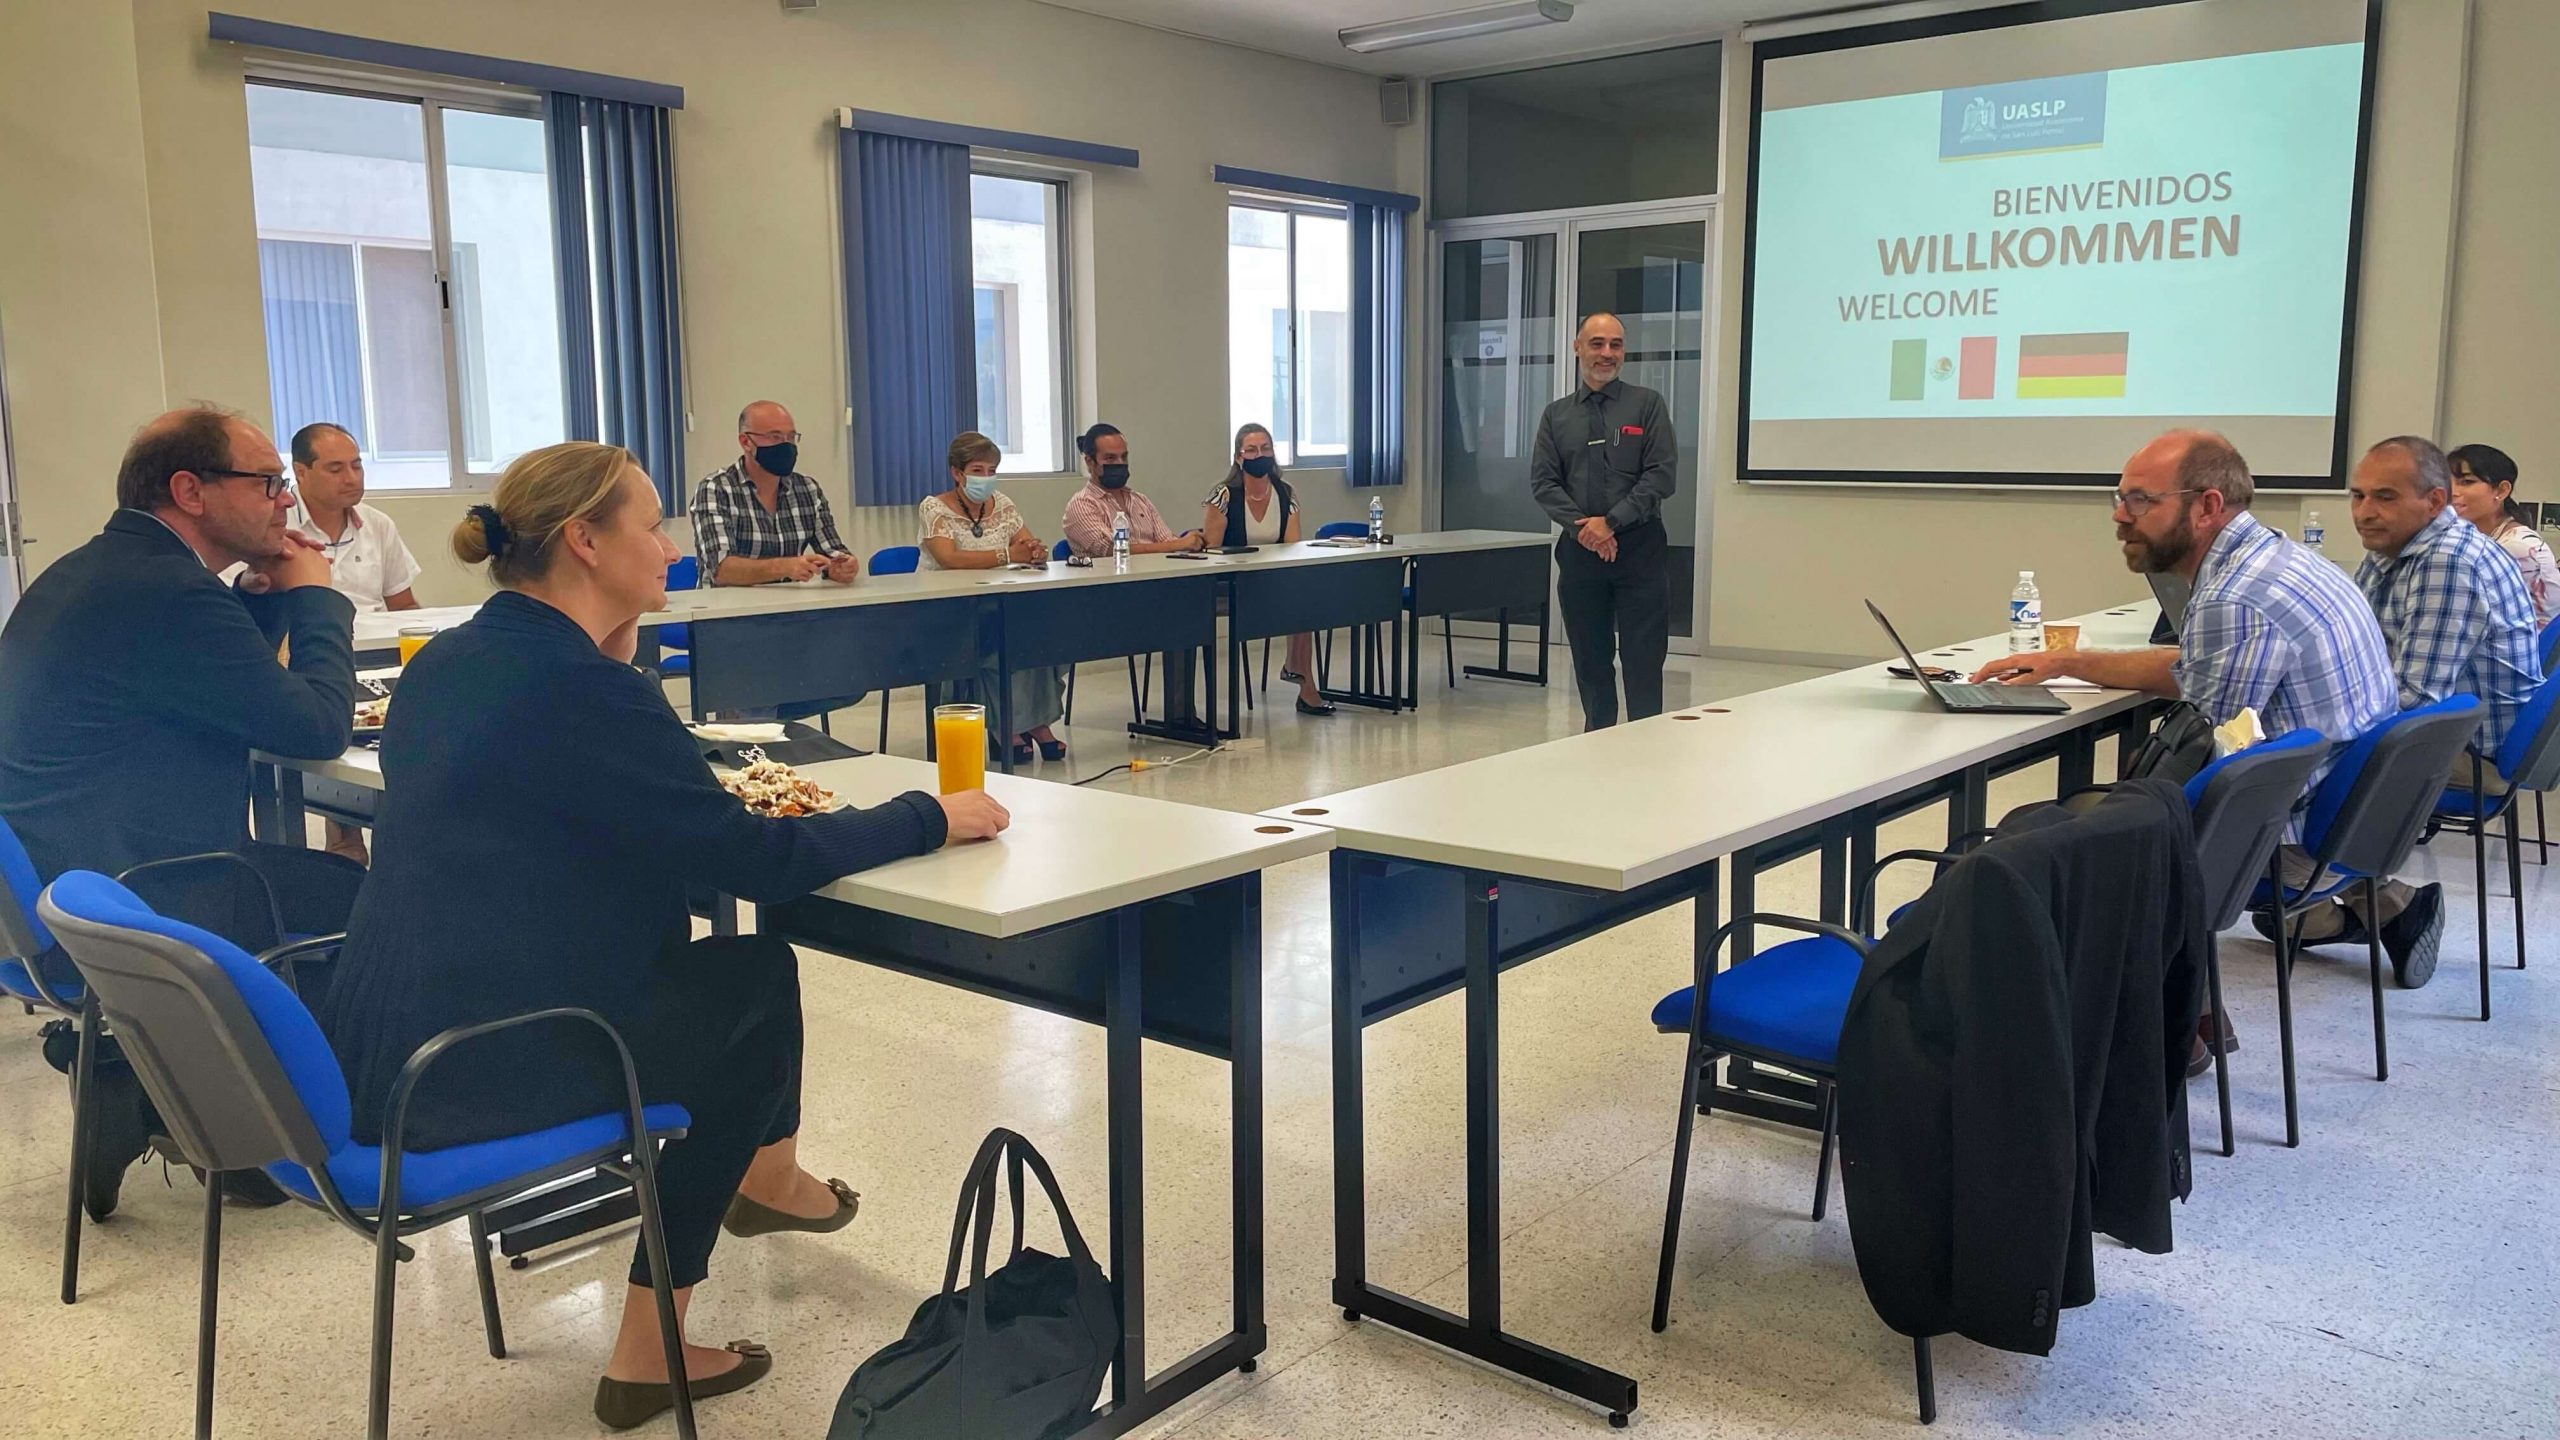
x: 1015, y: 1355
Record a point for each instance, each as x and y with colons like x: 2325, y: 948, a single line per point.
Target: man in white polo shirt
x: 367, y: 561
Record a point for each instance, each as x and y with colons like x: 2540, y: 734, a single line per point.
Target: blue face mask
x: 977, y: 487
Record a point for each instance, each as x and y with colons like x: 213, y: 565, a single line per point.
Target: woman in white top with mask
x: 974, y: 526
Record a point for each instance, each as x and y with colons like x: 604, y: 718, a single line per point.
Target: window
x: 444, y: 372
x: 1588, y: 132
x: 1289, y: 326
x: 1018, y: 264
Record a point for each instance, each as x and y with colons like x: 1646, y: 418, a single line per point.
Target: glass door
x: 1652, y: 275
x: 1498, y: 369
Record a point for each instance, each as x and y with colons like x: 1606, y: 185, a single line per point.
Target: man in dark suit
x: 134, y: 684
x: 1603, y: 463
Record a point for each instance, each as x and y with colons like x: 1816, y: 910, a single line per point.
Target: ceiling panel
x: 1307, y: 29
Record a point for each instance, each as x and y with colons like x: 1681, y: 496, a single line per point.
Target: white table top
x: 1071, y: 852
x: 380, y: 630
x: 1618, y: 808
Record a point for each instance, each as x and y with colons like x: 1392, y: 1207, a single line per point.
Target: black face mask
x: 778, y: 460
x: 1260, y: 467
x: 1114, y: 476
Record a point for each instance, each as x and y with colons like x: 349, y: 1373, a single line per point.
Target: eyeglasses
x: 2138, y: 503
x: 277, y: 482
x: 774, y: 437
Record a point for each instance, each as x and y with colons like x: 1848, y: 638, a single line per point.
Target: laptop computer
x: 2172, y: 592
x: 1975, y: 699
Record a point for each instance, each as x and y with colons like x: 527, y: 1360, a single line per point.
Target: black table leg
x: 1127, y: 1159
x: 1479, y: 1333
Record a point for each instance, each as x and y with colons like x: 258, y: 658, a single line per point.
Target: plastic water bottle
x: 2026, y: 615
x: 2312, y: 533
x: 1120, y: 543
x: 1377, y: 521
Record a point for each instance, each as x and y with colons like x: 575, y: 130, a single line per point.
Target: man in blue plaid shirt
x: 2454, y: 610
x: 2269, y: 626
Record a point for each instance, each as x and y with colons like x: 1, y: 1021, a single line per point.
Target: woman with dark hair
x: 1254, y: 506
x: 2484, y: 493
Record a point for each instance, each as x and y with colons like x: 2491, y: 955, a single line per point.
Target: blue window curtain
x: 315, y: 358
x: 621, y: 336
x: 1377, y: 344
x: 912, y: 329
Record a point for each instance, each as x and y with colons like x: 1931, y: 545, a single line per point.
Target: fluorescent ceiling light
x: 1456, y: 25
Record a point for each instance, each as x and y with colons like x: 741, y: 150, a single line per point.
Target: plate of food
x: 776, y: 791
x: 370, y: 716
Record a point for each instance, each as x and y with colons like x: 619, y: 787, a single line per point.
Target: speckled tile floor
x: 2399, y: 1275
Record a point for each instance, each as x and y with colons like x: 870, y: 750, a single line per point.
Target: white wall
x: 131, y: 252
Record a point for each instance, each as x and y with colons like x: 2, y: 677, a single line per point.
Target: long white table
x: 767, y: 645
x: 1108, y: 908
x: 1443, y: 880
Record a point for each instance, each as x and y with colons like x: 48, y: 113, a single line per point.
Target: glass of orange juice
x: 960, y: 746
x: 414, y: 638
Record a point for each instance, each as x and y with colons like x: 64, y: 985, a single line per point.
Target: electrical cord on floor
x: 1134, y: 766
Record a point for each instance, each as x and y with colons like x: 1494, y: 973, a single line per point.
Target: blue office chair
x: 245, y: 1080
x: 35, y: 972
x: 2241, y: 804
x: 2529, y: 759
x: 2363, y: 821
x: 896, y: 560
x: 2550, y: 643
x: 675, y: 640
x: 1782, y: 1007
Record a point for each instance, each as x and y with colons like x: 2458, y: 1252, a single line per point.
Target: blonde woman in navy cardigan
x: 545, y: 813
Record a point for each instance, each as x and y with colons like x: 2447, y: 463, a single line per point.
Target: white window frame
x: 432, y: 97
x: 1296, y: 208
x: 1062, y: 295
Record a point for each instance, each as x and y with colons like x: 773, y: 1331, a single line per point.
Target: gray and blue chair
x: 2528, y: 760
x: 244, y: 1079
x: 2363, y: 821
x: 35, y: 972
x: 2241, y: 805
x: 1782, y: 1007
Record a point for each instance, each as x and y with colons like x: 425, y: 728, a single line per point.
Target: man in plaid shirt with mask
x: 759, y: 520
x: 2455, y: 613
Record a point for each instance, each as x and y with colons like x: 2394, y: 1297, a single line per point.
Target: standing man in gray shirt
x: 1603, y: 464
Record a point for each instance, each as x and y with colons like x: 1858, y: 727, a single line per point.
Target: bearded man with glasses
x: 2270, y: 625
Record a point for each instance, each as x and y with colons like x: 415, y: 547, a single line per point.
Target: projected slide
x: 2028, y: 267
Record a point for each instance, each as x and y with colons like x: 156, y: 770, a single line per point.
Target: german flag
x: 2087, y: 366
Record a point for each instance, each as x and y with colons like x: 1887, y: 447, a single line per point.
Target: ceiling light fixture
x: 1456, y: 25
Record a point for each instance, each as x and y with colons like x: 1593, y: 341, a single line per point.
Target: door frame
x: 1567, y: 227
x: 13, y: 549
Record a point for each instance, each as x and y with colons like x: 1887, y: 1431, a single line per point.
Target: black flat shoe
x: 747, y: 1219
x: 2412, y: 938
x: 1321, y: 708
x: 1289, y: 676
x: 626, y: 1404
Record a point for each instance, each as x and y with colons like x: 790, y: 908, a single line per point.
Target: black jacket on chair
x: 134, y: 684
x: 2013, y: 1069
